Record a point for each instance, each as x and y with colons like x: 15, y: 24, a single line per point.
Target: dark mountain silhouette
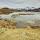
x: 7, y: 10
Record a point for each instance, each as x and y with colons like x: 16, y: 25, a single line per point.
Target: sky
x: 20, y: 3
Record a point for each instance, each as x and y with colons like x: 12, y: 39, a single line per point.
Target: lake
x: 24, y: 20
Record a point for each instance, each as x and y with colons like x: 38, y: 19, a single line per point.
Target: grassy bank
x: 8, y: 31
x: 7, y: 24
x: 19, y: 34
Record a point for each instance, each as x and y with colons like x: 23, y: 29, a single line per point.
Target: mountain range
x: 6, y: 10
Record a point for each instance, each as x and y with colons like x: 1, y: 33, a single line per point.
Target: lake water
x: 23, y: 20
x: 29, y: 17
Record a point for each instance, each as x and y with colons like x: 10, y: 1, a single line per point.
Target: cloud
x: 21, y: 3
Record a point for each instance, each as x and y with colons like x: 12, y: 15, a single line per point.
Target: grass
x: 19, y: 34
x: 8, y: 33
x: 7, y: 24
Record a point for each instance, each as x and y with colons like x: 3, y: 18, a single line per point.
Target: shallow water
x: 23, y: 20
x: 29, y: 17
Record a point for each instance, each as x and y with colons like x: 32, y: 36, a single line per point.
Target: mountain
x: 6, y: 10
x: 28, y: 9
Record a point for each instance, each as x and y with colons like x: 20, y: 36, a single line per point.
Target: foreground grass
x: 19, y: 34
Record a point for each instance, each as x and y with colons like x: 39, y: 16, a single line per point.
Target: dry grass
x: 6, y: 11
x: 7, y: 24
x: 19, y: 34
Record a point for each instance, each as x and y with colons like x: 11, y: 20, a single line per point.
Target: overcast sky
x: 20, y: 3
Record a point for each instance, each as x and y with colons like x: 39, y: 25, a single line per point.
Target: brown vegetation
x: 7, y: 24
x: 5, y: 10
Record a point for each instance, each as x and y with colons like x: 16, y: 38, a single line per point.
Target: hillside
x: 6, y: 10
